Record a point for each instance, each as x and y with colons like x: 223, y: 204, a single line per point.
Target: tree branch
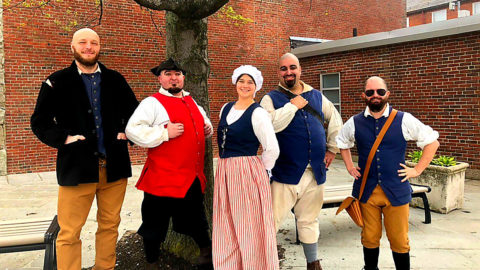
x: 189, y: 9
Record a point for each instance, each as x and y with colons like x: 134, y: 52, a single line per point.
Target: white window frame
x: 475, y: 8
x: 442, y: 13
x: 339, y: 103
x: 408, y: 22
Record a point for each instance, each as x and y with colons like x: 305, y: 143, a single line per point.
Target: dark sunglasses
x: 380, y: 92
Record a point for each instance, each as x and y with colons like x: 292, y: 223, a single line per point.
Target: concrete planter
x: 447, y: 185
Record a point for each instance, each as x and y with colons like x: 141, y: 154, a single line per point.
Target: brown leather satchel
x: 352, y: 204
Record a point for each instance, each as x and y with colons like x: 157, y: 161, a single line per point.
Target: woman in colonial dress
x: 244, y: 234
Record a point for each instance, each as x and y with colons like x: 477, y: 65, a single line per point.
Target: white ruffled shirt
x: 412, y: 130
x: 146, y: 126
x: 263, y: 129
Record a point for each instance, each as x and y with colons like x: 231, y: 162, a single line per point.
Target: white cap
x: 250, y: 70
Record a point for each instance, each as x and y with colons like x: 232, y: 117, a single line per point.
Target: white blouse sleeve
x: 146, y: 126
x: 263, y: 129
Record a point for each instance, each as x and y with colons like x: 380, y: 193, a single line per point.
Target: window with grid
x: 330, y: 87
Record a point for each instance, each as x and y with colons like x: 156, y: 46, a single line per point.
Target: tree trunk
x: 187, y: 44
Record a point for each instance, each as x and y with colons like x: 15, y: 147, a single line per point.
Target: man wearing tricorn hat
x: 82, y: 111
x: 173, y: 128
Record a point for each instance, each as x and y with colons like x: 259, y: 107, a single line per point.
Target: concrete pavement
x: 450, y: 242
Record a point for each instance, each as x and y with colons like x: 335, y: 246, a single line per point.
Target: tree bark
x: 187, y: 42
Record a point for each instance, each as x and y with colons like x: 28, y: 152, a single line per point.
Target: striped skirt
x: 244, y: 234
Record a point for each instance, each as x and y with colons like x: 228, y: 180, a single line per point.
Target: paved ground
x: 450, y: 242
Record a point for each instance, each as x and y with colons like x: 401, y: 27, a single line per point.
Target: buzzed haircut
x: 289, y: 55
x: 375, y: 77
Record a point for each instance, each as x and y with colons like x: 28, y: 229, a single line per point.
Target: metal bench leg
x: 49, y: 260
x: 426, y: 206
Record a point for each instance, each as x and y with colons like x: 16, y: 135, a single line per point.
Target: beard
x: 83, y: 61
x: 290, y: 83
x: 376, y: 106
x: 174, y: 90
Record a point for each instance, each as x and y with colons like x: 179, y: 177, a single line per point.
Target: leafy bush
x: 444, y: 161
x: 415, y: 156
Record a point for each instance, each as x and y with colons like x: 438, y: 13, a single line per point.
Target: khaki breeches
x: 395, y: 221
x: 74, y: 203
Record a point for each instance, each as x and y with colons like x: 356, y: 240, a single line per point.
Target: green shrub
x: 415, y: 156
x: 444, y: 161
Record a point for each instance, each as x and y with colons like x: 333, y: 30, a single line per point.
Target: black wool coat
x: 64, y: 109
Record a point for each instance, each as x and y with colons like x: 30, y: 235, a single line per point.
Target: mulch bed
x: 130, y: 256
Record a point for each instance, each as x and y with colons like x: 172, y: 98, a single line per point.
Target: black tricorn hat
x: 169, y: 64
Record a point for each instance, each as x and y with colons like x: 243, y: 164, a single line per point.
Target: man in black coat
x: 82, y: 111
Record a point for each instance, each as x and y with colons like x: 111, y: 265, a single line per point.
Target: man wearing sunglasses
x: 387, y: 190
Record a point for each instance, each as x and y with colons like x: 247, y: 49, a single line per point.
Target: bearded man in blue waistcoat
x: 305, y: 151
x: 387, y: 190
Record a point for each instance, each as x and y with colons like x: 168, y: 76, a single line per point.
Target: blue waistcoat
x: 92, y: 86
x: 385, y: 164
x: 238, y: 138
x: 301, y: 142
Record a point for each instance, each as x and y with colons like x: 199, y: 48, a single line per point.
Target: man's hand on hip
x: 208, y: 130
x: 407, y: 172
x: 329, y: 157
x: 71, y: 139
x: 174, y: 129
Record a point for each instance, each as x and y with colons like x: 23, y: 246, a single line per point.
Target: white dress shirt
x: 263, y: 129
x: 412, y: 129
x: 146, y: 126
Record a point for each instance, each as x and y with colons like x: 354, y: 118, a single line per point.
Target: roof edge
x: 421, y: 32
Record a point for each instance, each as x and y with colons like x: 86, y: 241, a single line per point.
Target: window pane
x: 332, y: 95
x: 337, y: 107
x: 476, y: 8
x: 330, y: 81
x: 440, y: 15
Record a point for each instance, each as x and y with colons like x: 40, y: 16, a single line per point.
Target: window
x: 476, y: 8
x: 330, y: 87
x: 440, y: 15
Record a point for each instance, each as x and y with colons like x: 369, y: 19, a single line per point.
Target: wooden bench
x: 31, y: 234
x: 334, y: 195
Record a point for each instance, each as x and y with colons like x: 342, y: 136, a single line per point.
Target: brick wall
x: 425, y: 16
x: 35, y: 46
x: 437, y: 80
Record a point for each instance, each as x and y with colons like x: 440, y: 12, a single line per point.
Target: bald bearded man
x: 82, y: 111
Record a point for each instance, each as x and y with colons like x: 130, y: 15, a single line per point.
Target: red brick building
x: 432, y: 71
x: 428, y: 11
x: 36, y: 43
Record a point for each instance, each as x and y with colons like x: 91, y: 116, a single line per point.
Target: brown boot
x: 314, y: 265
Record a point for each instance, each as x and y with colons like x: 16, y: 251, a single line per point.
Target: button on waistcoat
x: 92, y: 86
x: 237, y: 139
x: 385, y: 164
x: 302, y: 142
x: 172, y: 166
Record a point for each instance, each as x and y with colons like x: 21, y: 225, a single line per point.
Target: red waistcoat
x: 172, y: 166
